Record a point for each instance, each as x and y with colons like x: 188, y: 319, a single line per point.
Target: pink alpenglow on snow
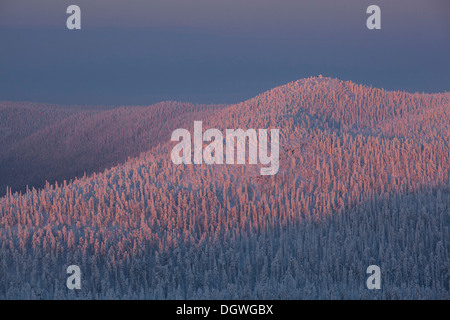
x: 213, y: 153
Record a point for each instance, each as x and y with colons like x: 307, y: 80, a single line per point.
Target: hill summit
x: 363, y: 180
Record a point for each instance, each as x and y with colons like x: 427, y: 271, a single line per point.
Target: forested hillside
x: 364, y: 179
x: 42, y: 143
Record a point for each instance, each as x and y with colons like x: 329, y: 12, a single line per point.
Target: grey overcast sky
x: 214, y: 51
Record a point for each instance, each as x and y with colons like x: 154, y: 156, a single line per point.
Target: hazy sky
x: 140, y: 52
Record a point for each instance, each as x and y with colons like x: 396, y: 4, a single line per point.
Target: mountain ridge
x: 363, y: 180
x: 281, y: 98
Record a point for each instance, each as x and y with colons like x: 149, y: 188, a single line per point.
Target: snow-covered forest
x: 364, y: 179
x: 40, y: 143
